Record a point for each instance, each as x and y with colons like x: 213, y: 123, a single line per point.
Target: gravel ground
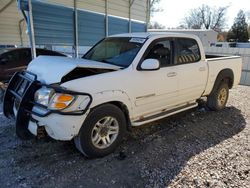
x: 197, y: 148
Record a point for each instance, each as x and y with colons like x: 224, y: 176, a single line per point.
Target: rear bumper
x: 19, y: 103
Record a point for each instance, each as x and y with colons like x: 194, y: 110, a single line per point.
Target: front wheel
x: 1, y: 94
x: 217, y: 100
x: 102, y: 131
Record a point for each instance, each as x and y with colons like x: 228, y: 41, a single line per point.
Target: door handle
x: 171, y: 74
x: 202, y: 68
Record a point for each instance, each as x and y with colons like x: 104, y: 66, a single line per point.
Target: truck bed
x: 216, y: 63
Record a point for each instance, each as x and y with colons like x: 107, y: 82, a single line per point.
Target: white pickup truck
x: 124, y: 80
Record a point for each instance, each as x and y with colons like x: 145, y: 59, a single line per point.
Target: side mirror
x: 150, y: 64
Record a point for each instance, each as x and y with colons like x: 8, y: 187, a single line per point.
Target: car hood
x: 51, y: 69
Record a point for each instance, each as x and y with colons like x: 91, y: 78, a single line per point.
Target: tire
x: 217, y: 100
x: 1, y: 94
x: 103, y: 122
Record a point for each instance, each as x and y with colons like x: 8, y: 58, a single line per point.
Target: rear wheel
x: 217, y: 100
x: 101, y: 132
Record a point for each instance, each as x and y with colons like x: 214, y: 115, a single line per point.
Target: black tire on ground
x: 1, y: 95
x: 217, y: 100
x: 84, y: 140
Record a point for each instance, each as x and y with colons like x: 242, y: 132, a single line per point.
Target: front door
x: 156, y: 90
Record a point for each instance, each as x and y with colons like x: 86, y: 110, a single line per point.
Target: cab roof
x: 154, y: 34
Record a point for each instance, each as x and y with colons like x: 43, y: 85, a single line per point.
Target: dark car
x: 17, y: 60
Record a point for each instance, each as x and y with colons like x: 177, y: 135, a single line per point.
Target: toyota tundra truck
x: 124, y: 80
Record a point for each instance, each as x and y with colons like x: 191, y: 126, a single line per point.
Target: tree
x: 238, y: 31
x: 152, y: 7
x: 206, y: 17
x: 151, y: 10
x: 155, y: 25
x: 248, y: 30
x: 248, y: 18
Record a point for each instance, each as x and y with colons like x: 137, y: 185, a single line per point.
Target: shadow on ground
x: 151, y: 155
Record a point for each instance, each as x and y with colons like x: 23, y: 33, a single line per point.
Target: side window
x: 161, y: 51
x: 12, y: 56
x: 187, y: 50
x: 39, y: 52
x: 25, y: 55
x: 43, y: 52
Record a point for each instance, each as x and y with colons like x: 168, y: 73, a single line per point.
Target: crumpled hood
x: 51, y: 69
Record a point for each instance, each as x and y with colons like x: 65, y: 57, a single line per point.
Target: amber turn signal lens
x: 64, y: 98
x: 60, y: 101
x: 59, y: 105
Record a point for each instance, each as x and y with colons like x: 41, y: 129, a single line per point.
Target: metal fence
x: 243, y: 52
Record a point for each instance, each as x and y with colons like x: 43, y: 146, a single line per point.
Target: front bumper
x: 58, y: 127
x: 19, y: 103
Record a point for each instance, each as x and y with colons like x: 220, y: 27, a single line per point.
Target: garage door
x: 54, y: 24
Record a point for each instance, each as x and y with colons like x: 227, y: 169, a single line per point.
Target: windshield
x: 119, y: 51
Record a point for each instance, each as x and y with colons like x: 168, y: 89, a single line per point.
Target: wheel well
x: 124, y: 109
x: 225, y: 75
x: 229, y: 80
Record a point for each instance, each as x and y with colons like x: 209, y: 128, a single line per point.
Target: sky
x: 175, y: 10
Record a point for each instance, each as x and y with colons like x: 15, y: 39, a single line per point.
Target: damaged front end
x: 21, y: 103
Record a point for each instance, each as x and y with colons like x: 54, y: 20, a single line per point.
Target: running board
x: 163, y: 114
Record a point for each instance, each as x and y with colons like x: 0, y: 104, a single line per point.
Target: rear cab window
x: 187, y: 51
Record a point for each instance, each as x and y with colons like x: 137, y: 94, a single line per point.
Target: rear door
x: 192, y: 71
